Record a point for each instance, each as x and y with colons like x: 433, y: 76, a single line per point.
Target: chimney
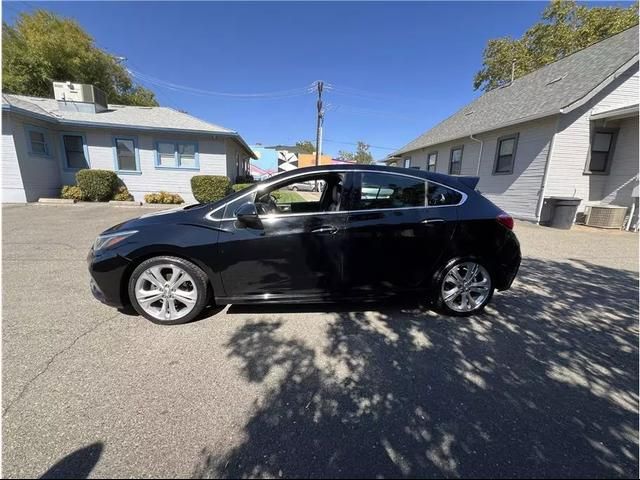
x: 78, y: 97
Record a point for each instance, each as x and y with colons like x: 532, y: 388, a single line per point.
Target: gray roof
x: 538, y: 94
x: 117, y: 116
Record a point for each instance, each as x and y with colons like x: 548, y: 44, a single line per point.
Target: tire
x: 295, y: 189
x: 152, y: 293
x: 477, y: 290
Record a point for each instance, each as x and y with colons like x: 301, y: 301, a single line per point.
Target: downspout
x: 481, y: 142
x: 546, y: 171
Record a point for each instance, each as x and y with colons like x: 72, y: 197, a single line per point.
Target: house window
x: 75, y: 151
x: 37, y: 138
x: 177, y: 155
x: 432, y: 160
x: 505, y: 155
x: 455, y: 161
x: 126, y: 155
x: 407, y: 162
x: 602, y: 144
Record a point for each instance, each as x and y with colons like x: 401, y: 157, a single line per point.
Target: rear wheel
x: 168, y: 290
x: 294, y: 188
x: 464, y: 288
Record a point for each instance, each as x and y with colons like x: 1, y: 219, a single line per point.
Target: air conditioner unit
x: 605, y: 216
x: 74, y: 95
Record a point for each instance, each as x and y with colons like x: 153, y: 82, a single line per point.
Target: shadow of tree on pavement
x: 544, y: 384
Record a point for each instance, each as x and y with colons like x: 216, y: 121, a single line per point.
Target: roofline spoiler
x: 470, y: 182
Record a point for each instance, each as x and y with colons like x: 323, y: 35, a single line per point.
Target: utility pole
x: 319, y: 84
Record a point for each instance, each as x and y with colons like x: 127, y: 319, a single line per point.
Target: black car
x: 374, y: 232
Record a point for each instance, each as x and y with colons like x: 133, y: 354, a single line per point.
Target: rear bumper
x: 107, y: 276
x: 509, y: 263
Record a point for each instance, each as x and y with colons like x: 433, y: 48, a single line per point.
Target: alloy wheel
x: 465, y: 287
x: 166, y: 292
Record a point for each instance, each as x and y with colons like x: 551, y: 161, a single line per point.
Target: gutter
x: 481, y: 142
x: 78, y: 123
x: 545, y: 176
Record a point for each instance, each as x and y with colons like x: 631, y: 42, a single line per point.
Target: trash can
x: 564, y: 212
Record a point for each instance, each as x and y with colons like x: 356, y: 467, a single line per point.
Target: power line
x: 295, y: 92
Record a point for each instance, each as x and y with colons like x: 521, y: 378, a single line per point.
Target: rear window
x: 439, y: 195
x: 382, y: 190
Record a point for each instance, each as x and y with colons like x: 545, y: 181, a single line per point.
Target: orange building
x: 309, y: 160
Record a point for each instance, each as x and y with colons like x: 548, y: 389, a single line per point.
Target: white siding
x: 623, y: 175
x: 40, y: 174
x: 12, y: 188
x: 211, y: 155
x: 624, y: 95
x: 572, y: 143
x: 516, y: 193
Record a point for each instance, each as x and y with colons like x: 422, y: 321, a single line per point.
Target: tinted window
x: 440, y: 195
x: 381, y: 190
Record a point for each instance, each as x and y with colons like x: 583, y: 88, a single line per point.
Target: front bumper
x: 108, y: 273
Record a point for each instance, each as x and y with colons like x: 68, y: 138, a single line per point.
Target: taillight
x: 505, y: 220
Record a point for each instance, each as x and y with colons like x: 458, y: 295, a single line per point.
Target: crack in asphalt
x: 50, y: 362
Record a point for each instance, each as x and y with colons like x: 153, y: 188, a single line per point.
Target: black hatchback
x: 367, y: 233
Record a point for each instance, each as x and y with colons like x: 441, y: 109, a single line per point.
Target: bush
x: 72, y: 192
x: 240, y: 186
x: 123, y: 195
x: 163, y: 197
x: 210, y: 188
x: 97, y: 185
x: 244, y: 179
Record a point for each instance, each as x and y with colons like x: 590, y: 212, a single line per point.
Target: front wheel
x: 168, y: 290
x: 464, y: 288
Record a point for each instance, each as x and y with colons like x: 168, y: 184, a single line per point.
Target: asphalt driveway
x: 544, y: 384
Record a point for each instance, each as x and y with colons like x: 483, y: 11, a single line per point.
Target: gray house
x: 45, y: 141
x: 569, y: 129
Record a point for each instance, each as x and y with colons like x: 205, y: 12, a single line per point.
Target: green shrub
x: 97, y: 185
x: 163, y: 197
x: 210, y: 188
x: 123, y: 195
x: 72, y: 192
x: 240, y: 186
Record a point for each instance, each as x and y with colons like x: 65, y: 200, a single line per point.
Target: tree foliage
x: 361, y: 155
x: 43, y: 47
x: 305, y: 146
x: 565, y: 28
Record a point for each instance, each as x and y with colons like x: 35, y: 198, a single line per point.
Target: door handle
x: 433, y: 220
x: 326, y: 229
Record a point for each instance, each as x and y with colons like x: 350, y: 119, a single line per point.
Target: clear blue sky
x: 397, y: 68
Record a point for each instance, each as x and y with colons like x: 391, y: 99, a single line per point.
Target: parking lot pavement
x: 544, y: 384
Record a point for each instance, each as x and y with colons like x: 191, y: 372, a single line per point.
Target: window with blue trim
x: 126, y: 155
x: 38, y: 142
x: 177, y: 155
x: 74, y: 151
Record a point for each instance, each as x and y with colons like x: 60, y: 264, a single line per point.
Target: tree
x: 362, y: 155
x: 565, y: 28
x: 42, y: 47
x: 305, y: 146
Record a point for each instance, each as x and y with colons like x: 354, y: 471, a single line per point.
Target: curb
x: 57, y: 201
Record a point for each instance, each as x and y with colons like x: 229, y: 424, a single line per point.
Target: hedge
x: 123, y: 195
x: 163, y: 197
x: 97, y: 185
x: 72, y: 192
x: 240, y: 186
x: 210, y: 188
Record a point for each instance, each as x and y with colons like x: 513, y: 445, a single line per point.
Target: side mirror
x: 247, y: 215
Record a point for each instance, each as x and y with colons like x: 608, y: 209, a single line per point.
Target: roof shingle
x: 537, y: 94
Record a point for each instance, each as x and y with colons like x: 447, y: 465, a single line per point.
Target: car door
x: 295, y: 253
x: 394, y: 238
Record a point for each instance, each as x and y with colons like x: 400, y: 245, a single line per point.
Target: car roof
x: 454, y: 181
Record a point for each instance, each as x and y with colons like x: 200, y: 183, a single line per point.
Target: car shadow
x: 77, y: 464
x: 544, y: 384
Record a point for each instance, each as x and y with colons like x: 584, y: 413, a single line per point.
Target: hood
x: 170, y: 216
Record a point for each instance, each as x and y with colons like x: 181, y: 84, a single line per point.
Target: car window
x: 316, y: 194
x: 383, y: 190
x: 439, y: 195
x: 233, y: 206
